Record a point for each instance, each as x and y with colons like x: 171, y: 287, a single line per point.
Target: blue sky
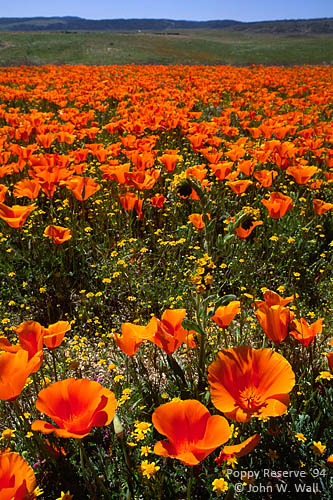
x: 240, y: 10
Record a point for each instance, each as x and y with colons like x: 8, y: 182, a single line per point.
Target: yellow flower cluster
x: 125, y: 396
x: 140, y: 431
x: 203, y: 276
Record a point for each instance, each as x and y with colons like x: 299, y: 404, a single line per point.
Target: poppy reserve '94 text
x: 285, y: 481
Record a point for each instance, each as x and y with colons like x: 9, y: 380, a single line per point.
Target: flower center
x: 249, y: 399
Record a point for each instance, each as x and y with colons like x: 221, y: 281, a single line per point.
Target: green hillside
x: 172, y: 47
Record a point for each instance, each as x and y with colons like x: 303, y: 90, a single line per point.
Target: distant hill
x: 69, y: 23
x: 78, y: 24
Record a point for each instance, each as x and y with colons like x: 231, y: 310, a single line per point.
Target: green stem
x: 35, y: 383
x: 202, y: 346
x: 39, y: 441
x: 128, y: 465
x: 54, y: 359
x: 84, y: 459
x: 189, y: 485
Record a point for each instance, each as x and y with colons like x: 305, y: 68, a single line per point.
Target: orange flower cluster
x: 20, y: 360
x: 257, y: 148
x: 277, y: 320
x: 167, y: 333
x: 88, y: 130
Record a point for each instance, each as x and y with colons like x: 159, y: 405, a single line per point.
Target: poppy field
x: 166, y: 282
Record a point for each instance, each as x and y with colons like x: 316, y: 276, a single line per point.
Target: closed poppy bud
x: 278, y: 205
x: 118, y: 428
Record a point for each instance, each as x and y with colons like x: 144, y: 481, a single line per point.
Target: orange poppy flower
x: 321, y: 207
x: 239, y: 187
x: 17, y: 479
x: 169, y: 161
x: 27, y: 188
x: 246, y: 383
x: 316, y: 184
x: 128, y: 200
x: 82, y: 187
x: 302, y: 174
x: 75, y: 405
x: 15, y: 368
x: 30, y: 334
x: 278, y: 205
x: 225, y: 314
x: 245, y: 232
x: 138, y: 208
x: 142, y: 179
x: 57, y: 234
x: 54, y: 334
x: 246, y: 166
x: 50, y: 170
x: 305, y: 333
x: 169, y: 333
x: 265, y: 177
x: 158, y: 200
x: 3, y: 190
x: 212, y: 156
x: 272, y: 299
x: 45, y: 140
x: 197, y: 221
x: 16, y: 215
x: 235, y: 153
x: 238, y: 450
x: 274, y: 321
x: 221, y: 170
x: 193, y: 433
x: 114, y: 171
x: 329, y: 356
x: 133, y: 336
